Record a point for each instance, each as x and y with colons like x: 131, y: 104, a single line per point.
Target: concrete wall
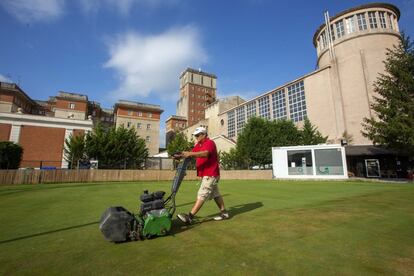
x: 143, y: 132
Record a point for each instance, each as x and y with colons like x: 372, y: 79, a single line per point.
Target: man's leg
x: 220, y: 203
x: 197, y: 206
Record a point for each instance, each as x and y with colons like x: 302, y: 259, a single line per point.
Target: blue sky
x: 136, y: 49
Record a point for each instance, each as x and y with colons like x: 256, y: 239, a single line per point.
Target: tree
x: 232, y: 160
x: 285, y: 133
x: 254, y: 141
x: 116, y: 147
x: 394, y: 102
x: 310, y: 134
x: 10, y: 155
x: 179, y: 143
x: 74, y: 149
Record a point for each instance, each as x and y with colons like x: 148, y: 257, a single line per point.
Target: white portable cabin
x: 313, y: 161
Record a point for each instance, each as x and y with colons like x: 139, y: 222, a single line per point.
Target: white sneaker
x: 222, y: 216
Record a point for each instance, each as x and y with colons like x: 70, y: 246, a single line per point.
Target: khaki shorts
x: 208, y: 188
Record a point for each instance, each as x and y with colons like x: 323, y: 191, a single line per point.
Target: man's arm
x: 195, y: 154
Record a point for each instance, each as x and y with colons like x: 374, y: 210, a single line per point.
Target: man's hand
x: 186, y: 154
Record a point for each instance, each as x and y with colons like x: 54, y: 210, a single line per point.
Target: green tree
x: 179, y: 143
x: 254, y: 141
x: 10, y: 155
x: 74, y: 149
x: 116, y: 147
x: 260, y: 135
x: 394, y: 102
x: 285, y: 133
x: 232, y: 160
x: 310, y: 134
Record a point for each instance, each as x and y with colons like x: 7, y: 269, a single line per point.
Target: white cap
x: 200, y: 130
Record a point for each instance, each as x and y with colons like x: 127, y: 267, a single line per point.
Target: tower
x: 197, y: 90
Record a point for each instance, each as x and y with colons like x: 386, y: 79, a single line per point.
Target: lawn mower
x: 155, y: 214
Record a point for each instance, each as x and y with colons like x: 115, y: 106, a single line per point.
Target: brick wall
x: 41, y: 143
x: 5, y: 132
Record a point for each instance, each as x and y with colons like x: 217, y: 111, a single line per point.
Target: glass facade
x: 279, y: 105
x: 240, y: 118
x: 264, y: 107
x: 231, y: 124
x: 297, y: 102
x: 251, y: 109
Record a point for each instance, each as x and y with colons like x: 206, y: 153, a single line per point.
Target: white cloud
x: 4, y: 78
x: 27, y: 11
x: 124, y: 7
x: 151, y: 64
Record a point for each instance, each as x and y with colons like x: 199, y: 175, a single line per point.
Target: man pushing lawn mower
x: 207, y: 165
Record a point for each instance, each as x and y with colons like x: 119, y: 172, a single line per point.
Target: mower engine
x: 155, y: 218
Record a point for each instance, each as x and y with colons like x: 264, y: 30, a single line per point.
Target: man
x: 208, y: 169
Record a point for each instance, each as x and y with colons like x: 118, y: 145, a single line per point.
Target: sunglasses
x: 196, y: 135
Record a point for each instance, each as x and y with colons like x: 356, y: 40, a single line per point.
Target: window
x: 149, y: 115
x: 382, y: 20
x: 264, y: 107
x: 130, y: 113
x: 231, y: 127
x: 332, y: 33
x: 129, y: 124
x: 297, y: 102
x: 328, y: 162
x: 324, y: 42
x: 140, y: 113
x: 362, y: 23
x: 148, y: 126
x: 147, y: 139
x: 240, y: 118
x: 72, y: 105
x: 372, y: 20
x: 279, y: 105
x: 340, y: 28
x: 251, y: 109
x: 299, y: 162
x: 139, y: 126
x: 350, y: 25
x: 390, y: 21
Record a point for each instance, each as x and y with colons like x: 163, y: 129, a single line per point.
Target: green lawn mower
x: 155, y: 214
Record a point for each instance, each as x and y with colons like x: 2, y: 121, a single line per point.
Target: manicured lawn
x: 277, y: 227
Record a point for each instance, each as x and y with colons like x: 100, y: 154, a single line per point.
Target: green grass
x: 277, y: 227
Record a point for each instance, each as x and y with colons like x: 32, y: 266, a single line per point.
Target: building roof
x: 14, y: 87
x: 362, y: 7
x: 368, y: 150
x: 197, y: 72
x: 143, y: 106
x: 176, y: 117
x: 72, y: 96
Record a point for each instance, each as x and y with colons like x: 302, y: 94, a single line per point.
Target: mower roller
x: 155, y: 214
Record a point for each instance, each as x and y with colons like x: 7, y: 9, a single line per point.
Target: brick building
x: 197, y: 90
x: 41, y: 127
x: 145, y: 118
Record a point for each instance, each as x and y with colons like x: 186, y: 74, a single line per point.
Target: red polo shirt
x: 207, y: 166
